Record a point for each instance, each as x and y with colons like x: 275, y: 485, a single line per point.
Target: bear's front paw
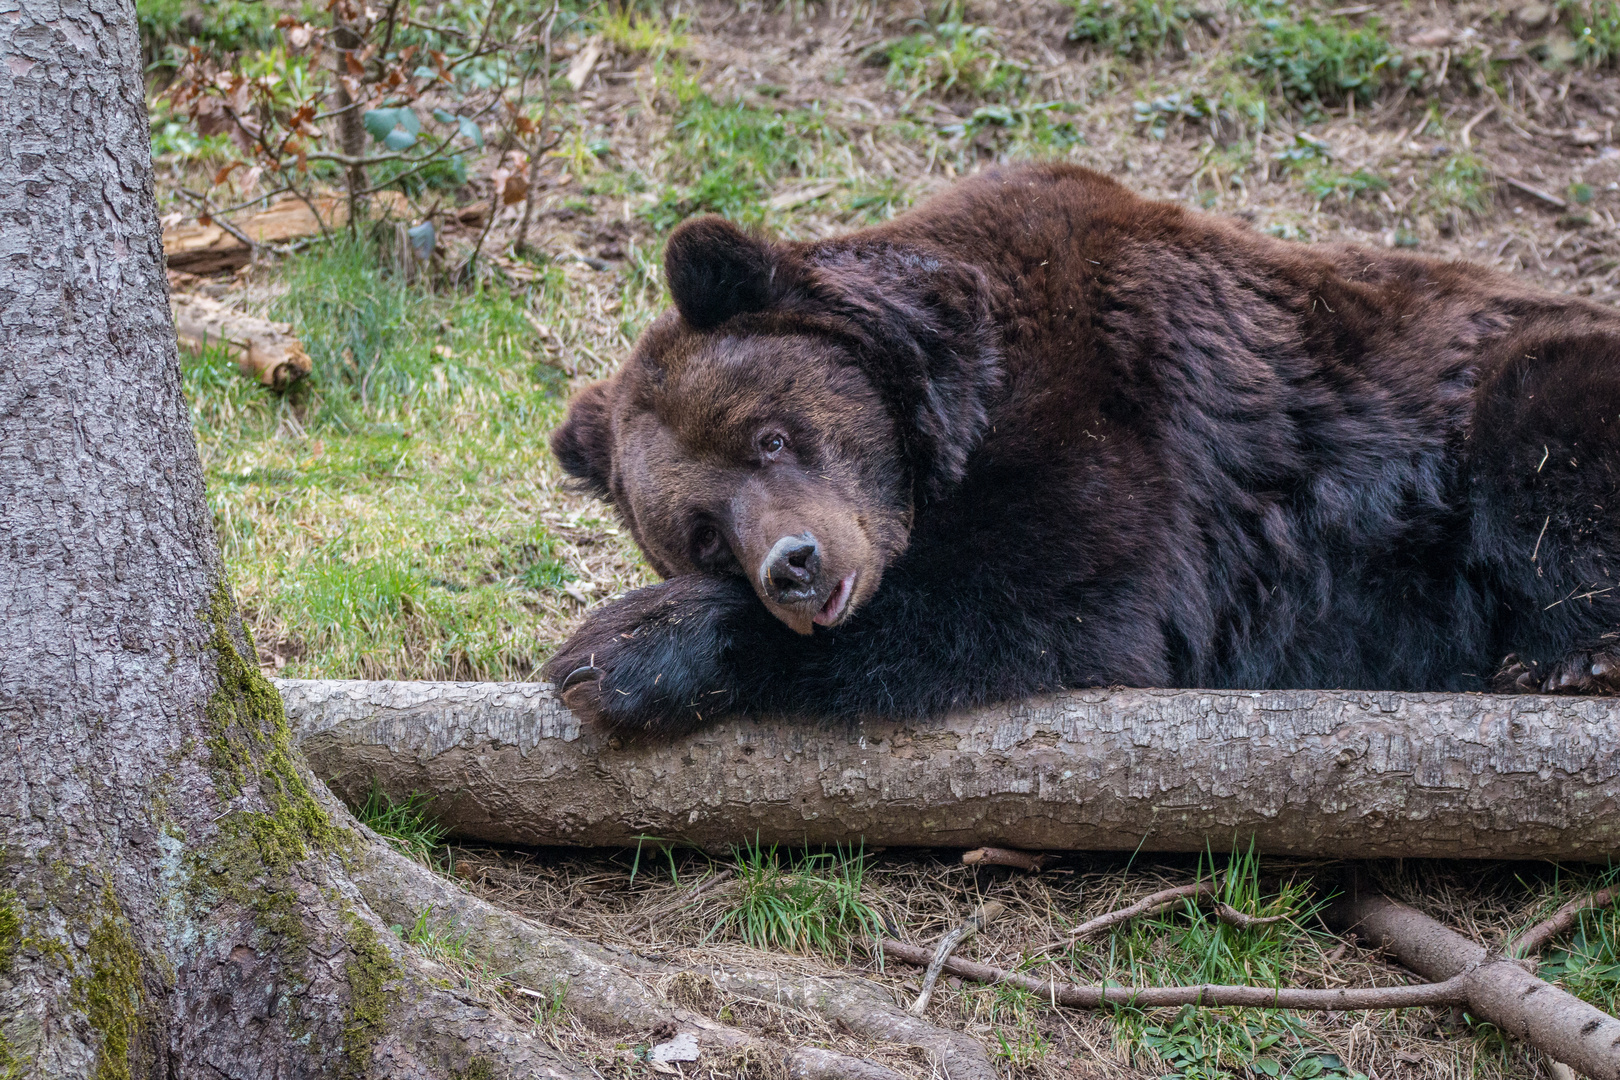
x: 658, y: 658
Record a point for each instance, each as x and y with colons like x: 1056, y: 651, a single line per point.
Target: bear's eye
x: 771, y: 443
x: 705, y: 541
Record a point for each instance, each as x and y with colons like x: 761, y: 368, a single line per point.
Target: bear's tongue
x: 834, y: 607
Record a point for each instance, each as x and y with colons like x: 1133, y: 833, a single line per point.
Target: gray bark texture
x: 1346, y: 774
x: 175, y: 898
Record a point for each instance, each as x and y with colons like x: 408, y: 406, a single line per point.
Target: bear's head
x: 793, y: 412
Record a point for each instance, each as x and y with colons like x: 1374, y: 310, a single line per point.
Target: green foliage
x: 635, y: 33
x: 1315, y: 63
x: 1131, y: 28
x: 1326, y: 184
x: 952, y: 58
x: 1190, y: 946
x: 217, y: 27
x: 406, y: 824
x: 1229, y: 111
x: 1587, y: 963
x: 434, y: 942
x: 1039, y: 129
x: 727, y: 156
x: 803, y: 903
x: 1595, y: 25
x: 1463, y: 182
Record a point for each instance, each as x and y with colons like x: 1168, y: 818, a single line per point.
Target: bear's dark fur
x: 1048, y: 434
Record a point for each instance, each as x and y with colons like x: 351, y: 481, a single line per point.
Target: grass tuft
x: 806, y: 903
x: 1131, y: 28
x: 952, y: 58
x: 1320, y: 63
x: 407, y: 825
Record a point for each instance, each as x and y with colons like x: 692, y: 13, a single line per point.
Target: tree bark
x: 1349, y: 774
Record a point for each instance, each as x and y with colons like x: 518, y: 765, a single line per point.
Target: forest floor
x: 397, y: 515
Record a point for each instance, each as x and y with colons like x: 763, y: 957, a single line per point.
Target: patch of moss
x: 479, y: 1068
x: 368, y: 969
x: 10, y: 928
x: 248, y: 736
x: 111, y: 993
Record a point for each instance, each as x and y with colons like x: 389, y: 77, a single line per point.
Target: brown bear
x: 1042, y: 433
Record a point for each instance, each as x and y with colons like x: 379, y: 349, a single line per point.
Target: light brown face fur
x: 727, y: 444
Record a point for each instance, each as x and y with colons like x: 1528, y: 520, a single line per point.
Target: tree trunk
x: 173, y: 890
x: 1347, y: 774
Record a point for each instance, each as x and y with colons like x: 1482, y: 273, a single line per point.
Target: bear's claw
x: 579, y: 675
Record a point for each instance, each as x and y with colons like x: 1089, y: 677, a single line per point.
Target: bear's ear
x: 926, y: 339
x: 715, y: 271
x: 584, y: 442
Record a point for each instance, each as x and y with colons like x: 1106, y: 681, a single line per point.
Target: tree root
x: 1498, y: 989
x: 1075, y: 996
x: 1148, y: 905
x: 613, y: 989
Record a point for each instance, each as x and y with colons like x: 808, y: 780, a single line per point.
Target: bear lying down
x: 1041, y: 433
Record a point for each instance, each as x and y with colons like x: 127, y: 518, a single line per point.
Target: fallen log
x: 265, y: 350
x: 1349, y: 774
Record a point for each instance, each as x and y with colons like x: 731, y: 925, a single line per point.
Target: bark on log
x: 1498, y: 988
x: 1304, y: 772
x: 266, y: 351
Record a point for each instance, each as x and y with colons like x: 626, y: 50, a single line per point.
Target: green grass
x: 727, y: 156
x: 1131, y: 28
x: 952, y: 59
x: 1595, y: 25
x: 805, y: 902
x: 398, y: 515
x: 1190, y: 945
x: 1462, y: 183
x: 1312, y: 62
x: 227, y: 27
x: 406, y: 824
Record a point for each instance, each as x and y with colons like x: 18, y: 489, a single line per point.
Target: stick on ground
x: 1536, y: 938
x: 969, y: 926
x: 1148, y: 905
x: 1075, y: 996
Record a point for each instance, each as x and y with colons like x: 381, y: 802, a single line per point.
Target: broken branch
x: 1148, y: 905
x: 1536, y: 938
x: 969, y: 926
x: 996, y: 856
x: 1075, y: 996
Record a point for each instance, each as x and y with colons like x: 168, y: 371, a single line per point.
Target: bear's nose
x: 791, y: 567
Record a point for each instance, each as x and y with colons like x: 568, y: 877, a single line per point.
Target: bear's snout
x: 791, y: 569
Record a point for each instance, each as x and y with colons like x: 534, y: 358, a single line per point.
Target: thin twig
x: 1231, y: 916
x: 984, y: 916
x: 202, y: 204
x: 1520, y: 185
x: 1536, y: 938
x: 1145, y: 906
x: 1074, y: 996
x: 1468, y: 128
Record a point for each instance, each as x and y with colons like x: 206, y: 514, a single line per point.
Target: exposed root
x: 865, y: 1010
x: 1452, y: 992
x: 609, y: 988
